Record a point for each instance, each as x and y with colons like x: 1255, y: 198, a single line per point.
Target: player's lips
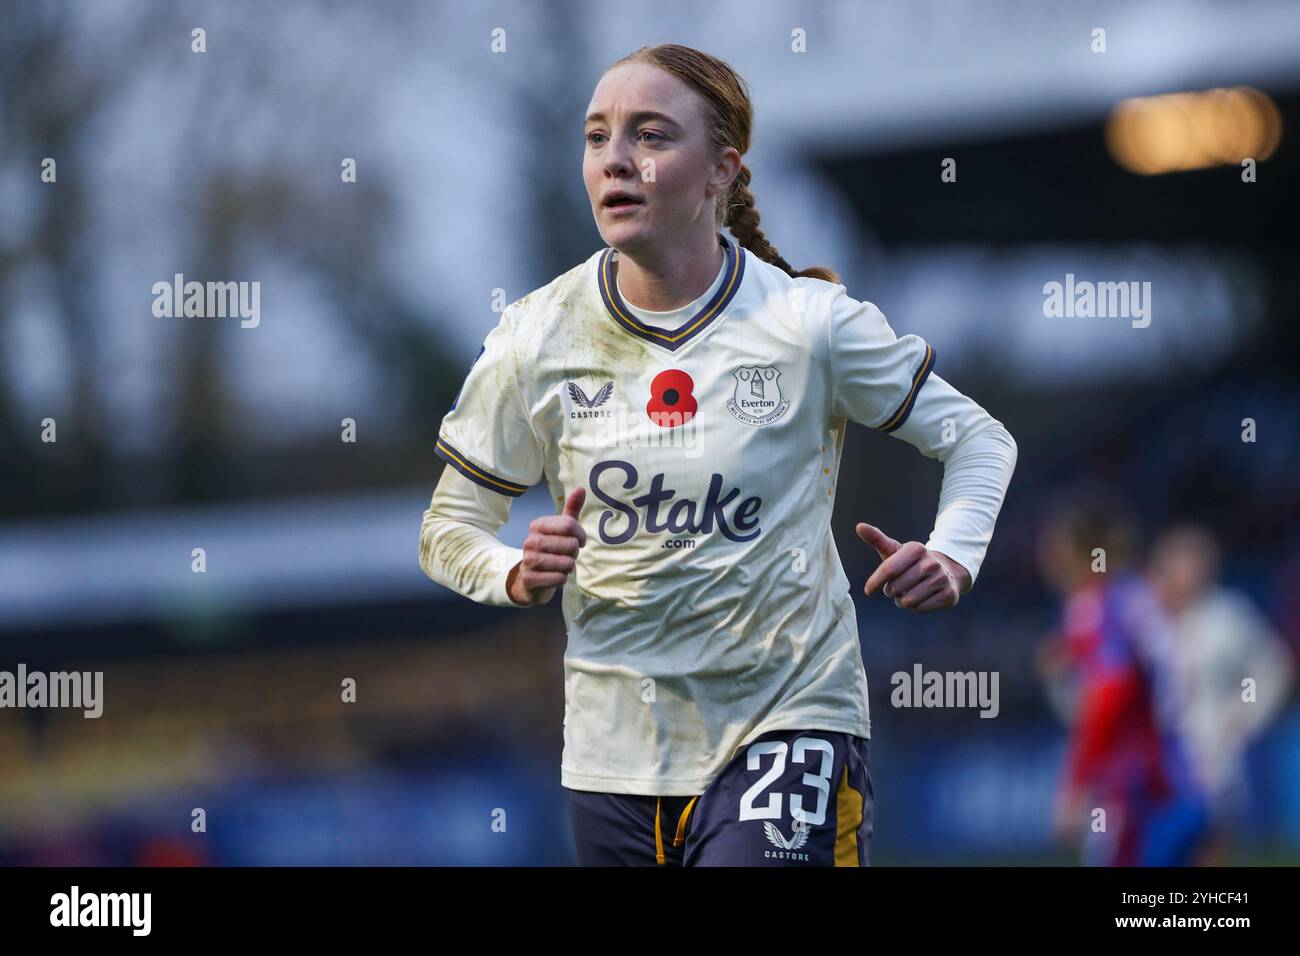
x: 618, y: 202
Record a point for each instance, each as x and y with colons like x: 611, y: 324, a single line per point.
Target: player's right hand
x: 550, y: 554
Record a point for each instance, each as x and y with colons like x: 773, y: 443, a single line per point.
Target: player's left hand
x: 914, y: 576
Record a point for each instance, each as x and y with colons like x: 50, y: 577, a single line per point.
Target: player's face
x: 663, y: 161
x: 1057, y: 562
x: 1180, y: 571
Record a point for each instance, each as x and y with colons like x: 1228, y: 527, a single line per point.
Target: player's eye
x: 646, y: 132
x: 590, y: 140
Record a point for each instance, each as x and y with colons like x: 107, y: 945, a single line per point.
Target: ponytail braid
x: 741, y: 217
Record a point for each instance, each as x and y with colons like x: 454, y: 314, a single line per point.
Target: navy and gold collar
x: 733, y: 271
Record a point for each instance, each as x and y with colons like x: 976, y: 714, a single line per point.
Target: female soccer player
x: 685, y: 397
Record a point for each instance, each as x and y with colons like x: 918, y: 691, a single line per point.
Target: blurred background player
x: 1221, y: 640
x: 1125, y: 755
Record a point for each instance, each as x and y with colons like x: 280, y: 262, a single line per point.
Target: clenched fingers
x: 894, y: 565
x: 561, y: 524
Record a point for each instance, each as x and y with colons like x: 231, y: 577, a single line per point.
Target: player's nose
x: 619, y: 161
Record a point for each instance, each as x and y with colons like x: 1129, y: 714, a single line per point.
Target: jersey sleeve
x: 979, y: 458
x: 874, y: 374
x: 488, y: 435
x: 459, y: 547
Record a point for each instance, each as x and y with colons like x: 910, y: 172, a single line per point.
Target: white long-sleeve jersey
x: 709, y: 605
x: 1223, y: 638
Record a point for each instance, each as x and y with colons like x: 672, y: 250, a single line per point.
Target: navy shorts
x: 788, y: 798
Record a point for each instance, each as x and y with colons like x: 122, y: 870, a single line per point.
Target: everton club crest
x: 758, y: 399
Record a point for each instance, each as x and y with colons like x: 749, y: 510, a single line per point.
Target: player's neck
x: 670, y: 278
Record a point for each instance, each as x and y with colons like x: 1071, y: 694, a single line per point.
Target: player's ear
x: 726, y: 171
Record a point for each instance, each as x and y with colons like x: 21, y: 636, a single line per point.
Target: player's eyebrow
x: 637, y: 117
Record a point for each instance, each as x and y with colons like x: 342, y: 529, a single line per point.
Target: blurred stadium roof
x: 260, y: 556
x: 980, y: 70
